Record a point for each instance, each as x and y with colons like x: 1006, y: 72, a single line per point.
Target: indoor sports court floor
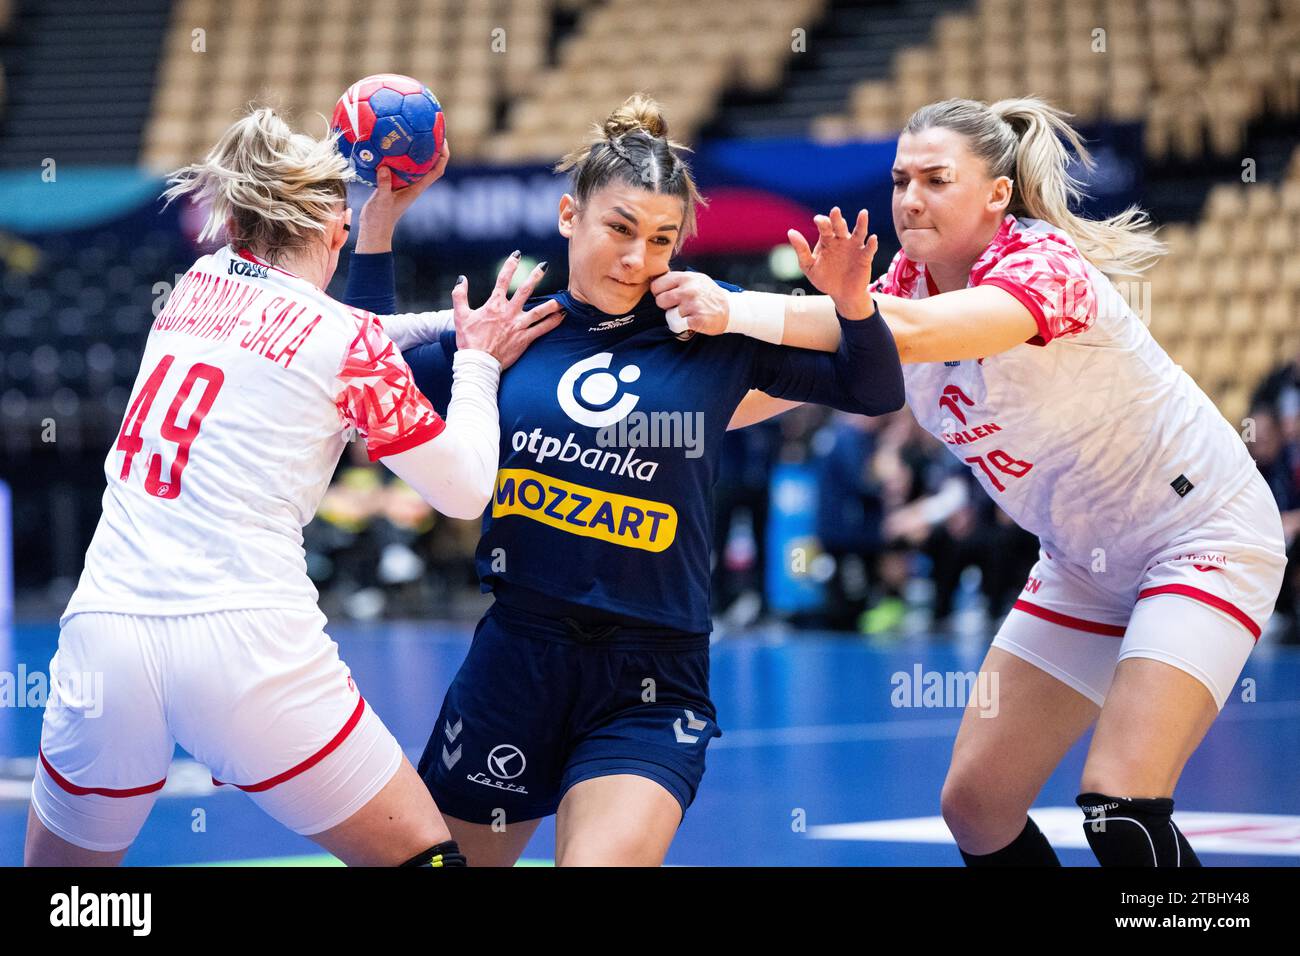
x: 815, y: 767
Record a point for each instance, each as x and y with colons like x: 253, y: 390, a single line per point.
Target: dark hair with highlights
x: 632, y: 146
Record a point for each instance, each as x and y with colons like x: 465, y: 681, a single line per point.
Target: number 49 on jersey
x: 131, y: 442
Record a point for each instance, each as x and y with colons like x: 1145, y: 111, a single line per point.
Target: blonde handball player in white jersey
x: 195, y: 605
x: 1161, y: 547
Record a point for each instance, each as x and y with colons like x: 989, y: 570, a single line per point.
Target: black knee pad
x: 1127, y: 831
x: 1029, y: 849
x: 446, y: 853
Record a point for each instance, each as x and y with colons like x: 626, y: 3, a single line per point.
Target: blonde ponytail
x: 1022, y: 139
x: 270, y: 187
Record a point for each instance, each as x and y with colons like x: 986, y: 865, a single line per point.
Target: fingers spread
x: 860, y: 227
x: 535, y: 332
x: 543, y: 311
x: 525, y: 291
x: 838, y: 224
x: 800, y: 246
x: 460, y: 295
x: 506, y: 274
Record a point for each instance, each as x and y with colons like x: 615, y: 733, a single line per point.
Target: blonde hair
x: 632, y: 146
x: 269, y: 187
x: 1022, y: 139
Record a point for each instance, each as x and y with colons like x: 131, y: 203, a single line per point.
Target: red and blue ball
x: 389, y: 120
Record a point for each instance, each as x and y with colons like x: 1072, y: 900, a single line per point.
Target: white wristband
x: 673, y: 317
x: 760, y: 315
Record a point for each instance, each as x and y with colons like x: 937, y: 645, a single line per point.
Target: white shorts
x: 1198, y: 603
x: 258, y: 696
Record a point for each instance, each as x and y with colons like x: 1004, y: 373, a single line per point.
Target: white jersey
x: 1088, y: 435
x: 251, y: 381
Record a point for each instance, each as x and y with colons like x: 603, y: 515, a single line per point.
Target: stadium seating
x: 1226, y: 302
x: 480, y: 58
x: 1196, y: 72
x: 306, y: 52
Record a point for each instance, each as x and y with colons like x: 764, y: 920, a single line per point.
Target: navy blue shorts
x: 539, y: 706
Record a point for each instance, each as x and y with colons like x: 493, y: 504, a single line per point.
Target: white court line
x: 1255, y: 834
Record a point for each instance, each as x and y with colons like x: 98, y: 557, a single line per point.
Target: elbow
x: 471, y: 504
x: 886, y: 399
x: 895, y: 396
x: 894, y: 400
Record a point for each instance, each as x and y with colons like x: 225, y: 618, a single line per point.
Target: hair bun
x: 638, y: 112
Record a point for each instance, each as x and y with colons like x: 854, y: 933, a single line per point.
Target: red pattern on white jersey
x: 298, y: 372
x: 1040, y: 266
x: 379, y: 398
x: 1079, y: 433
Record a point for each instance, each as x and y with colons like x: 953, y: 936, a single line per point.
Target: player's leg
x: 262, y: 698
x: 43, y: 848
x: 1052, y: 660
x: 1201, y: 606
x: 1154, y: 719
x: 1000, y: 763
x: 105, y: 747
x: 493, y: 759
x: 619, y: 820
x: 639, y: 750
x: 402, y: 816
x: 490, y: 844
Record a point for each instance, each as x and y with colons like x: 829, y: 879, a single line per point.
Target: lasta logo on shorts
x: 589, y: 512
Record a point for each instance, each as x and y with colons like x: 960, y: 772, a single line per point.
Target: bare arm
x: 964, y: 324
x: 758, y: 406
x: 952, y: 326
x: 949, y: 327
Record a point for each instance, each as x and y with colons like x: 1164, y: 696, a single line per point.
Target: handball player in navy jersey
x: 585, y: 693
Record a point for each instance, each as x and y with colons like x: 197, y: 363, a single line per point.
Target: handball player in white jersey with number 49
x: 195, y: 605
x: 1161, y: 547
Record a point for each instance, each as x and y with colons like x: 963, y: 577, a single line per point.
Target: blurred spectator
x: 1279, y: 394
x: 372, y: 549
x: 1278, y: 460
x: 740, y: 521
x: 936, y: 507
x: 850, y: 509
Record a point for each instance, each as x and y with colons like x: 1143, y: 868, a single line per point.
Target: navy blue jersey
x: 611, y: 435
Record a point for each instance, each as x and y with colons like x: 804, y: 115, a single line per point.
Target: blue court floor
x: 817, y: 764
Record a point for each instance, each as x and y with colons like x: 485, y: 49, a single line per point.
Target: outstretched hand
x: 387, y: 205
x: 501, y: 326
x: 840, y: 264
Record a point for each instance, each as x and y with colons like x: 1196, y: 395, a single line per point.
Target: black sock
x: 1029, y: 849
x: 1127, y: 831
x: 443, y: 854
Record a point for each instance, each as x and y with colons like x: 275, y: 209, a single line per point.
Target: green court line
x: 316, y: 859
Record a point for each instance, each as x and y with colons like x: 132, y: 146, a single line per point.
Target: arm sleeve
x: 863, y: 376
x: 456, y: 473
x: 371, y: 286
x: 1050, y: 278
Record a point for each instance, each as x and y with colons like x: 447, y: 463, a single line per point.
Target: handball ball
x: 389, y: 120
